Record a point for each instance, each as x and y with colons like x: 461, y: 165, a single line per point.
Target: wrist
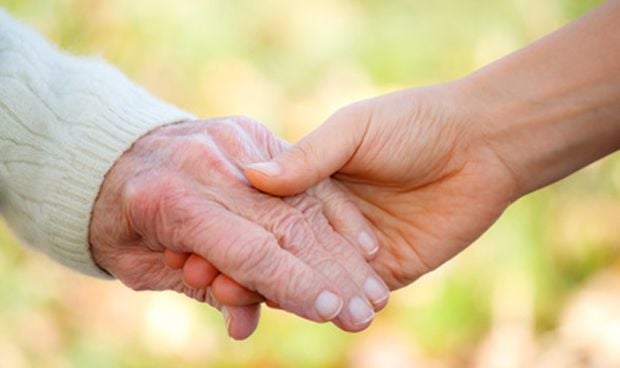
x: 495, y: 121
x: 473, y: 115
x: 551, y: 108
x: 538, y: 131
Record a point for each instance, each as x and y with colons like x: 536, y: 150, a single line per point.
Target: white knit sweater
x: 64, y: 120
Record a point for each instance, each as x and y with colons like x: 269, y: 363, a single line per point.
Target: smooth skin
x: 432, y: 168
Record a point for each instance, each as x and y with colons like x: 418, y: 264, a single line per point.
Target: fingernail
x: 328, y: 305
x: 375, y: 291
x: 267, y: 168
x: 227, y: 318
x: 367, y: 242
x: 360, y: 311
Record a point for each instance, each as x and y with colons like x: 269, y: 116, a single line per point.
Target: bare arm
x: 554, y: 106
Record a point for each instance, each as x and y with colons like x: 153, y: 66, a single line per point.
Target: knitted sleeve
x: 64, y: 120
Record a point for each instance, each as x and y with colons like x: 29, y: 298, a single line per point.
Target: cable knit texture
x: 64, y: 120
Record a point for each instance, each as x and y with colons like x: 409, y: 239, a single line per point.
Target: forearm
x: 554, y: 106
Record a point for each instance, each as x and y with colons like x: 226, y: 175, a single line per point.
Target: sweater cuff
x: 113, y: 125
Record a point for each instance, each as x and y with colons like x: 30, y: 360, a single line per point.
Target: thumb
x: 317, y: 156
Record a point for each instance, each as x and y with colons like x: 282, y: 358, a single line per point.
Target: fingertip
x: 328, y: 305
x: 379, y: 306
x: 286, y: 182
x: 376, y: 292
x: 347, y: 327
x: 268, y: 184
x: 257, y: 178
x: 270, y: 169
x: 241, y: 322
x: 369, y: 244
x: 361, y: 310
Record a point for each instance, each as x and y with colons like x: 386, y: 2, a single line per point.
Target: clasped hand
x: 383, y: 192
x: 181, y: 189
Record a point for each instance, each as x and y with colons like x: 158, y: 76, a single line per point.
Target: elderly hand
x: 181, y: 188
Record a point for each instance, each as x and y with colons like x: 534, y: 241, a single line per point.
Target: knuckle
x: 312, y: 209
x: 205, y: 152
x: 340, y: 247
x: 225, y: 131
x: 290, y: 231
x: 139, y: 198
x: 136, y: 195
x: 328, y: 191
x: 234, y: 140
x: 196, y: 148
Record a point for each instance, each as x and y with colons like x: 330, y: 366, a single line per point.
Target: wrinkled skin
x: 181, y: 189
x: 417, y: 164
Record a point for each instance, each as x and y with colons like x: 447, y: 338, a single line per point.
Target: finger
x: 375, y: 289
x: 361, y: 273
x: 137, y: 270
x: 254, y: 259
x: 345, y: 218
x: 198, y: 273
x: 241, y: 321
x: 228, y: 292
x: 314, y: 158
x: 175, y: 260
x: 289, y: 224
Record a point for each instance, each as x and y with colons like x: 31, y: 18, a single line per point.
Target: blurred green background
x: 540, y: 289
